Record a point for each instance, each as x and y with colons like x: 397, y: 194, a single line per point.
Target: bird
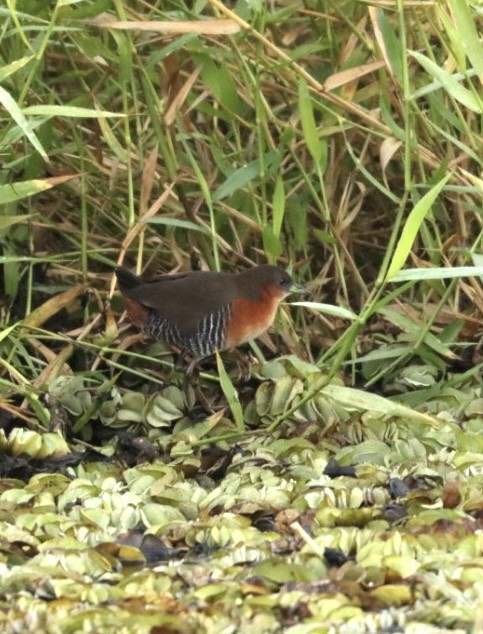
x: 202, y: 312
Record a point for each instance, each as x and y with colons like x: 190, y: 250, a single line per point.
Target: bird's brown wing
x: 185, y: 298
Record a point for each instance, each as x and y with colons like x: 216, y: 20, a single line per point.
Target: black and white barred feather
x: 208, y: 336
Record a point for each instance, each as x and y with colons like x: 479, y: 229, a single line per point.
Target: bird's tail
x: 127, y: 280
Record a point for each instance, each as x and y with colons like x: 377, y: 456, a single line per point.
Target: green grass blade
x: 450, y: 84
x: 245, y: 174
x: 13, y: 67
x: 17, y: 115
x: 468, y: 35
x: 23, y: 189
x: 230, y: 393
x: 52, y: 110
x: 328, y: 309
x: 307, y: 119
x: 278, y: 206
x: 438, y: 273
x: 412, y: 226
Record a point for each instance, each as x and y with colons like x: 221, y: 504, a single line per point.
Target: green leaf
x: 221, y: 83
x: 16, y: 191
x: 174, y: 222
x: 392, y: 44
x: 437, y: 273
x: 328, y: 309
x: 297, y: 217
x: 278, y: 206
x: 450, y: 84
x: 366, y: 401
x: 243, y: 175
x: 13, y: 67
x: 412, y: 226
x: 70, y: 111
x: 468, y: 35
x: 111, y: 140
x: 413, y: 328
x: 307, y: 119
x: 12, y: 14
x: 5, y: 332
x: 271, y: 243
x: 238, y: 179
x: 478, y: 262
x: 17, y: 115
x: 90, y: 10
x: 231, y: 394
x: 8, y: 221
x: 285, y: 389
x: 280, y: 571
x: 369, y: 451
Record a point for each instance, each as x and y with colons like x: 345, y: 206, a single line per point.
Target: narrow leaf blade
x: 412, y: 226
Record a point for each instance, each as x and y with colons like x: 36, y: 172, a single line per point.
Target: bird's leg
x: 191, y: 379
x: 182, y: 365
x: 192, y: 366
x: 243, y: 361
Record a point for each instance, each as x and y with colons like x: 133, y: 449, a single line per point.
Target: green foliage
x: 339, y: 140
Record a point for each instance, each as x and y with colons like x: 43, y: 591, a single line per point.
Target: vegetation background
x: 340, y: 139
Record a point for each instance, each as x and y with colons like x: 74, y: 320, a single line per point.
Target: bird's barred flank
x: 209, y: 336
